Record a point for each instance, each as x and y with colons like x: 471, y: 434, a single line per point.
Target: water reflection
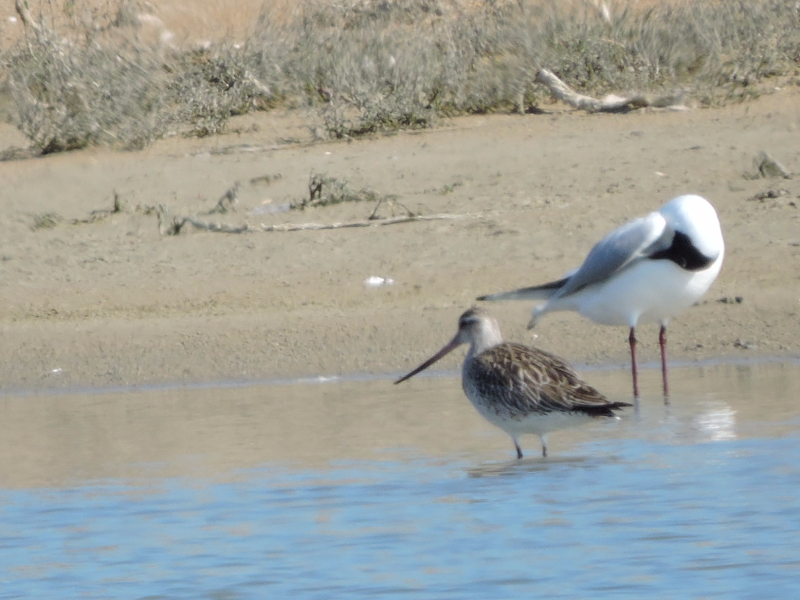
x: 363, y: 489
x: 717, y: 423
x: 513, y: 467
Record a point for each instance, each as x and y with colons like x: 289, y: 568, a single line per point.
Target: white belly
x: 516, y: 425
x: 648, y: 292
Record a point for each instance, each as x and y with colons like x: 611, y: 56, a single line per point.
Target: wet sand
x: 114, y: 302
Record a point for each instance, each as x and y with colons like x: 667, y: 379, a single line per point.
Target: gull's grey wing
x: 536, y: 292
x: 619, y: 249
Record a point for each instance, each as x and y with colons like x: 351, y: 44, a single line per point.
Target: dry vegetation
x: 87, y: 76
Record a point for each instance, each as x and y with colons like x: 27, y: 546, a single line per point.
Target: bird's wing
x: 525, y: 380
x: 536, y: 292
x: 618, y: 250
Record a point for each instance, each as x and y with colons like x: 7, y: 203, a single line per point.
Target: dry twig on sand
x: 227, y: 203
x: 169, y: 224
x: 179, y: 223
x: 561, y: 91
x: 391, y: 201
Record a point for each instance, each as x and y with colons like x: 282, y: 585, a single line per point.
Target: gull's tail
x: 536, y: 292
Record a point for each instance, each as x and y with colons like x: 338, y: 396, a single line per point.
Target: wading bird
x: 518, y: 388
x: 645, y: 271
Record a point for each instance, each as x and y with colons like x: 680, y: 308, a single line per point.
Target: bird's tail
x: 536, y: 292
x: 603, y: 410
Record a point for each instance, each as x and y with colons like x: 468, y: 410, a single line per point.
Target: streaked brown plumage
x: 518, y: 388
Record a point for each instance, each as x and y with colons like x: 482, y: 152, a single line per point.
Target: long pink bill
x: 452, y: 345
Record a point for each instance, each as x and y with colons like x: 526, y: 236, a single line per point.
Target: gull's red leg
x: 662, y: 341
x: 634, y: 367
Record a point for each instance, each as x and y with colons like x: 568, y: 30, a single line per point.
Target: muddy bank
x: 112, y: 301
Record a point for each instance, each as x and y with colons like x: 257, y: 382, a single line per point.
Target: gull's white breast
x: 650, y: 291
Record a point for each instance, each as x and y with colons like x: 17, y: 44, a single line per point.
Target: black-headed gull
x: 645, y: 271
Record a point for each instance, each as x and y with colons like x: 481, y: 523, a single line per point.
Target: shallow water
x: 364, y: 489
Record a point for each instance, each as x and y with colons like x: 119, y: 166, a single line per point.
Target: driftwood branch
x: 179, y: 223
x: 169, y: 224
x: 561, y: 91
x: 367, y: 223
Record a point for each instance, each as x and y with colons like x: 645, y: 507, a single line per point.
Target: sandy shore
x: 114, y: 302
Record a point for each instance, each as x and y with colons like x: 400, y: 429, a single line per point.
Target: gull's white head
x: 695, y: 217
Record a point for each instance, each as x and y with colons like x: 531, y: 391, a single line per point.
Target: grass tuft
x: 324, y: 190
x: 90, y: 77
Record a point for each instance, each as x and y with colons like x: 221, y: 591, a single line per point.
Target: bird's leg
x: 544, y: 446
x: 519, y: 450
x: 634, y: 368
x: 662, y: 341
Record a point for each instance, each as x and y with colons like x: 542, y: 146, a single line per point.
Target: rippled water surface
x: 364, y: 489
